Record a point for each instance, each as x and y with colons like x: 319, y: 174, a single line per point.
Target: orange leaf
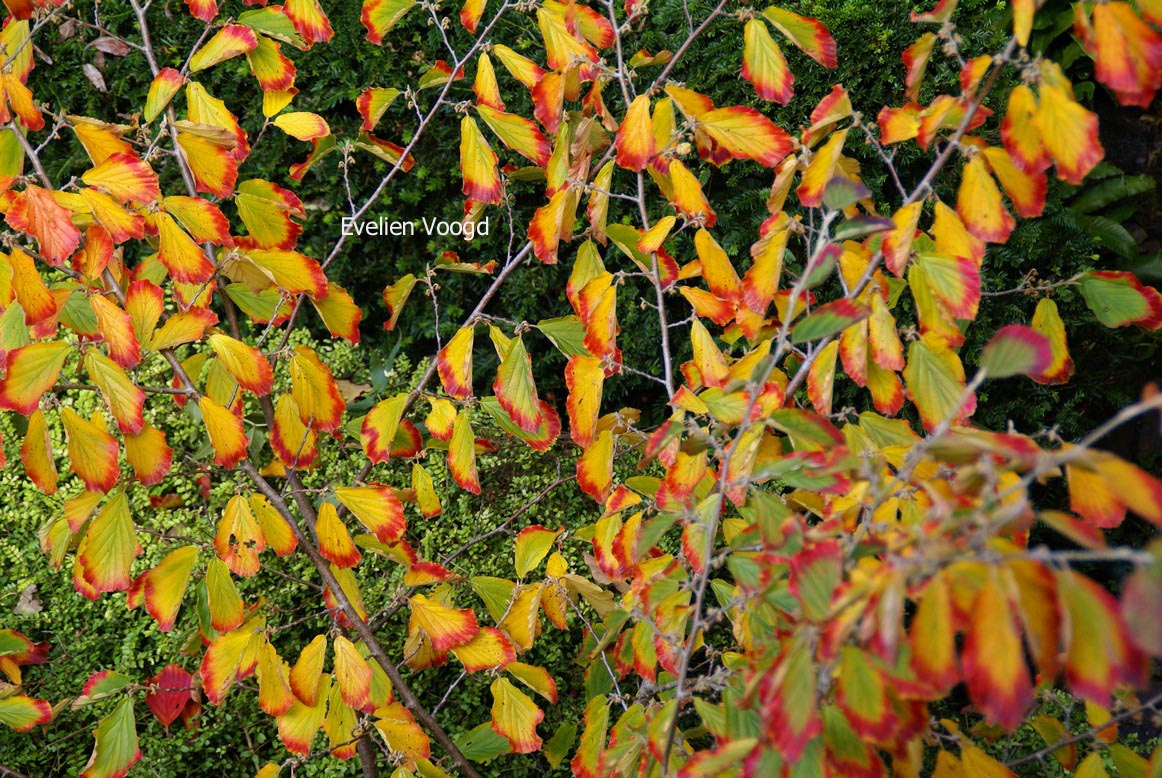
x: 932, y: 637
x: 377, y: 508
x: 92, y: 451
x: 584, y: 378
x: 303, y: 125
x: 380, y: 427
x: 1127, y: 53
x: 515, y: 389
x: 203, y: 220
x: 36, y: 454
x: 165, y: 585
x: 184, y: 259
x: 293, y: 441
x: 148, y: 454
x: 808, y: 34
x: 445, y: 627
x: 462, y: 455
x: 764, y: 65
x: 334, y: 540
x: 289, y: 270
x: 274, y: 694
x: 213, y: 165
x: 116, y: 326
x: 36, y: 212
x: 309, y: 20
x: 162, y: 89
x: 38, y: 302
x: 32, y: 371
x: 339, y: 312
x: 239, y: 539
x: 821, y: 170
x: 426, y: 497
x: 595, y: 467
x: 489, y: 650
x: 225, y: 604
x: 304, y: 676
x: 1069, y: 133
x: 299, y: 725
x: 184, y: 327
x: 1019, y: 130
x: 280, y: 537
x: 1099, y: 654
x: 478, y: 165
x: 515, y: 717
x: 124, y: 399
x: 225, y: 431
x: 247, y: 364
x: 994, y: 659
x: 744, y: 133
x: 979, y: 204
x: 1047, y: 321
x: 1026, y: 189
x: 314, y: 389
x: 124, y: 177
x: 517, y: 133
x: 788, y: 698
x: 106, y: 553
x: 454, y: 364
x: 635, y: 137
x: 401, y: 732
x: 352, y: 674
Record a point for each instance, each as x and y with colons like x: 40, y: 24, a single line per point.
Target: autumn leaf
x: 115, y: 750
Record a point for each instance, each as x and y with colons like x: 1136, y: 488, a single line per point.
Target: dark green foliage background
x: 235, y: 739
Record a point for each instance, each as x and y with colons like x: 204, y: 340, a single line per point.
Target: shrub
x: 756, y: 569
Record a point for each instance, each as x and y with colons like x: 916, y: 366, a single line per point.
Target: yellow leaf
x: 165, y: 585
x: 515, y: 717
x: 352, y: 673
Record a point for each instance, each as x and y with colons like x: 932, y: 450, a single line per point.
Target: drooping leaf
x: 92, y: 451
x: 462, y: 454
x: 993, y: 657
x: 1047, y: 321
x: 764, y: 66
x: 165, y: 585
x: 515, y: 389
x: 115, y: 750
x: 515, y: 717
x: 934, y: 377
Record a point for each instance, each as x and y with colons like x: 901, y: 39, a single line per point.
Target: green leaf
x: 1115, y: 298
x: 116, y: 748
x: 860, y: 227
x: 934, y: 377
x: 828, y: 320
x: 482, y: 744
x: 819, y: 270
x: 261, y: 306
x: 100, y: 686
x: 842, y: 192
x: 557, y: 747
x: 272, y: 23
x: 567, y: 333
x: 806, y: 428
x: 495, y: 592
